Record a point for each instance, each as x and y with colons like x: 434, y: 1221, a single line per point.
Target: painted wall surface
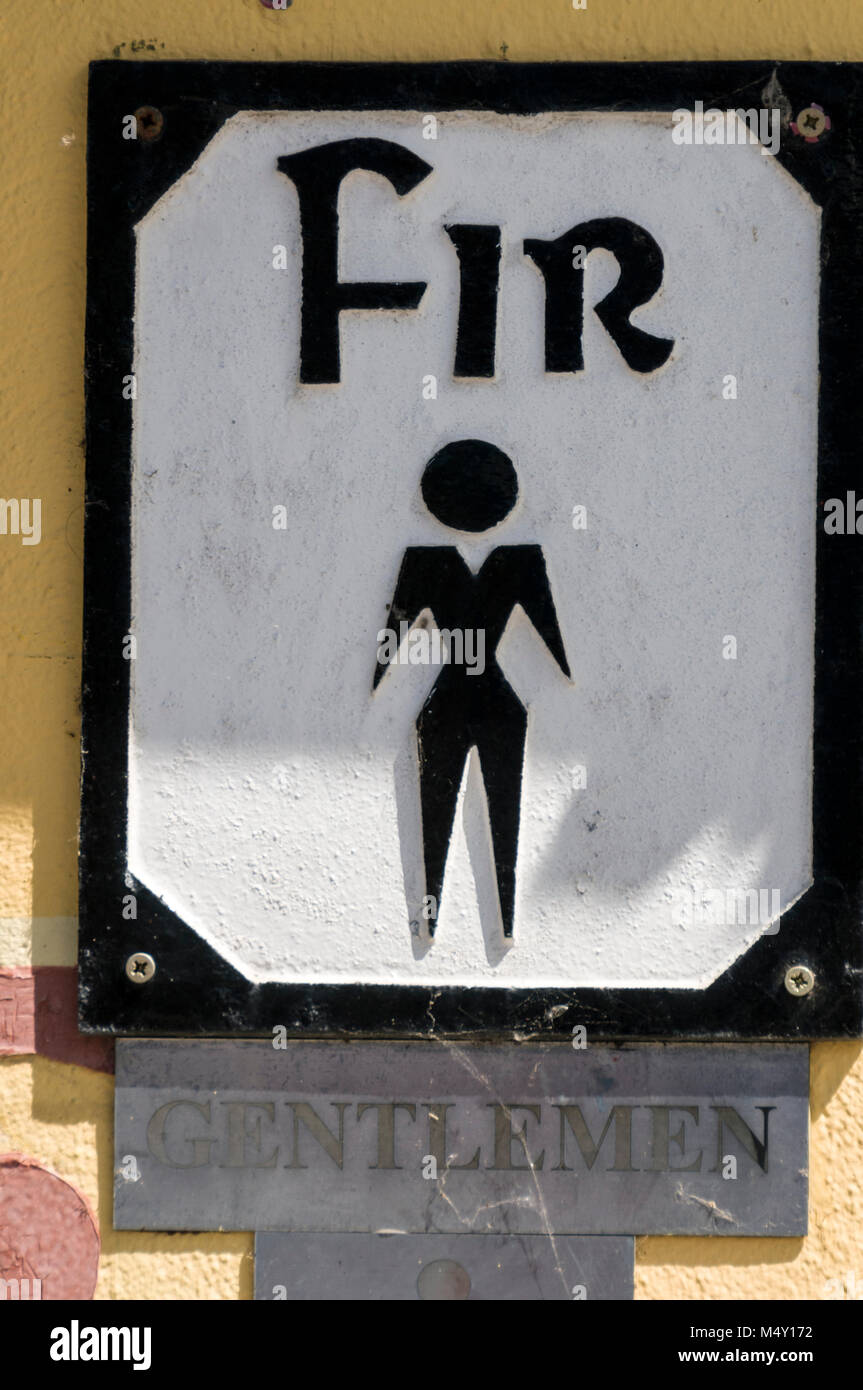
x: 60, y: 1113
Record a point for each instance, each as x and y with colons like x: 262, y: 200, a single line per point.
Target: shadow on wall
x: 84, y: 1099
x: 829, y: 1064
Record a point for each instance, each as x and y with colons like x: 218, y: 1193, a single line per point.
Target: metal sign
x: 461, y: 1139
x: 472, y: 644
x: 331, y: 1268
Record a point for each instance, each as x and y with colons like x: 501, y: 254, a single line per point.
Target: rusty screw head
x: 150, y: 123
x: 799, y: 980
x: 811, y: 123
x: 140, y: 968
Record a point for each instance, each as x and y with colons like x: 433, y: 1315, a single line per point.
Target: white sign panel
x: 471, y: 598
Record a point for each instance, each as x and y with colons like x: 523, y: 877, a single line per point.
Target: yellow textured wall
x: 62, y: 1114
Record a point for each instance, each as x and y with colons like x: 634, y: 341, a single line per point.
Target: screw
x: 140, y: 968
x: 150, y: 122
x: 811, y: 123
x: 799, y: 980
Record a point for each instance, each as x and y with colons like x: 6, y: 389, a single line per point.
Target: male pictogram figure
x: 472, y: 486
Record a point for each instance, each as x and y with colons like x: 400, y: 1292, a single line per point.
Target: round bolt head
x: 150, y: 123
x: 443, y: 1279
x: 140, y: 968
x: 799, y: 980
x: 811, y: 123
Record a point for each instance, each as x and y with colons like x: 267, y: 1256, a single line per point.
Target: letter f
x: 317, y: 174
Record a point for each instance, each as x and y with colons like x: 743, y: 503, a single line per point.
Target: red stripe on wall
x: 39, y: 1014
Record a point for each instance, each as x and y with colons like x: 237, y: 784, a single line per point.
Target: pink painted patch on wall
x: 49, y: 1239
x: 39, y: 1014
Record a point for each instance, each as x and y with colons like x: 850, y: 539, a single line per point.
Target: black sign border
x: 194, y: 991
